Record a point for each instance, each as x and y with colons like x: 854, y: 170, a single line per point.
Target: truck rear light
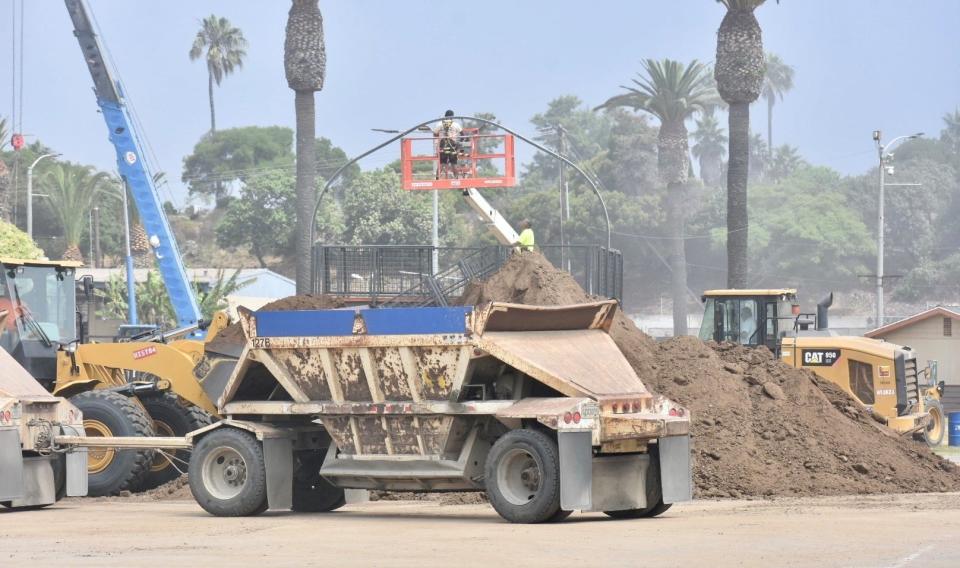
x: 636, y: 407
x: 7, y: 416
x: 674, y: 412
x: 567, y: 417
x: 576, y: 417
x: 615, y: 408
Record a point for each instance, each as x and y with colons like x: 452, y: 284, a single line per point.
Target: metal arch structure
x: 341, y: 169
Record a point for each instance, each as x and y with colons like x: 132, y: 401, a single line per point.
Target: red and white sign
x: 145, y: 352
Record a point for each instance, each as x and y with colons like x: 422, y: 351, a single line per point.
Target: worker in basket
x: 447, y: 145
x: 526, y: 240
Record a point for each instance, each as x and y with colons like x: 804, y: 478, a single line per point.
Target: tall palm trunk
x: 306, y: 174
x: 673, y: 162
x: 739, y: 73
x: 305, y: 64
x: 213, y: 115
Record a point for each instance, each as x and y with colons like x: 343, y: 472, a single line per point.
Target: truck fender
x: 277, y: 456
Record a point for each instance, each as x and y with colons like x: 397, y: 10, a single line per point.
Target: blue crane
x: 133, y: 170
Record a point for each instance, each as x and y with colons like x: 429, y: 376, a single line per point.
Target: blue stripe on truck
x: 404, y: 321
x: 306, y: 323
x: 391, y: 321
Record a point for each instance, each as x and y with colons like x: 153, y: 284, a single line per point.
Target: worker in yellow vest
x: 526, y: 240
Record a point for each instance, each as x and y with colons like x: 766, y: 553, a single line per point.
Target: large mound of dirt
x: 760, y: 427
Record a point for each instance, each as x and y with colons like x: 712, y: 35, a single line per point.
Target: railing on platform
x: 402, y: 274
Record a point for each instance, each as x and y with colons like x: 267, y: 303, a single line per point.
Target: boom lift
x: 884, y: 377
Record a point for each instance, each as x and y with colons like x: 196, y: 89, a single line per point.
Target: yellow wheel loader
x: 884, y: 377
x: 143, y: 387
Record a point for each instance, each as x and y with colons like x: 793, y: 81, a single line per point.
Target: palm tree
x: 950, y: 134
x: 739, y: 74
x: 759, y: 158
x: 305, y: 64
x: 672, y: 92
x: 71, y: 191
x: 225, y: 49
x: 786, y: 160
x: 777, y: 81
x: 709, y: 149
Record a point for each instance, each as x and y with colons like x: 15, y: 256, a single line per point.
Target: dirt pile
x: 234, y: 333
x: 760, y: 428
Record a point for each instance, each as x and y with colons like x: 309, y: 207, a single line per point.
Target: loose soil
x: 760, y: 427
x: 234, y: 333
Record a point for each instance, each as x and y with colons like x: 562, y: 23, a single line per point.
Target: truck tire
x: 311, y: 492
x: 523, y: 477
x: 657, y: 508
x: 107, y: 413
x: 171, y: 418
x: 228, y: 477
x: 935, y: 430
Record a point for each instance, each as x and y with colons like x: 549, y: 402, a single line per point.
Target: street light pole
x: 30, y: 193
x: 131, y: 284
x: 884, y: 156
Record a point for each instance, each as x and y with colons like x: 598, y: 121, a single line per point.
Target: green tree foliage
x: 224, y: 48
x: 378, y: 212
x: 710, y: 146
x: 15, y: 243
x: 153, y: 303
x: 263, y: 217
x: 786, y: 160
x: 71, y: 190
x: 223, y: 158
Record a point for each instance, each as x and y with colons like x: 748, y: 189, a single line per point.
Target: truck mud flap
x: 278, y: 461
x: 676, y: 481
x: 11, y: 464
x: 76, y: 466
x: 39, y: 487
x: 576, y: 470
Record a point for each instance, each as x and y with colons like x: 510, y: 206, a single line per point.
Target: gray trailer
x: 32, y: 473
x: 536, y: 406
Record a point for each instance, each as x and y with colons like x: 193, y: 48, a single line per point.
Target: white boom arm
x: 491, y: 217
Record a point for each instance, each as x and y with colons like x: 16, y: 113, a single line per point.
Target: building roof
x: 938, y: 311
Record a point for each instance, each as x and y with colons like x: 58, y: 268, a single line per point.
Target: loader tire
x: 171, y: 418
x: 935, y: 430
x: 107, y: 413
x: 656, y: 509
x: 523, y: 477
x: 228, y: 477
x: 311, y: 492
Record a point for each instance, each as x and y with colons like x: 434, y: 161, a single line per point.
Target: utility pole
x: 885, y: 161
x: 30, y: 193
x: 97, y: 253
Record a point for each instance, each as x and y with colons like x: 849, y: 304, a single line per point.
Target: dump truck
x: 32, y: 475
x: 536, y: 406
x: 884, y: 377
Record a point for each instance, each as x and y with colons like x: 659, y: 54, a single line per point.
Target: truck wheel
x: 171, y: 418
x: 933, y: 433
x: 523, y: 477
x: 228, y: 477
x: 657, y: 509
x: 107, y: 413
x: 311, y: 492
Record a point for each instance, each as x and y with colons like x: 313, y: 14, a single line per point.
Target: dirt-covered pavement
x: 882, y: 530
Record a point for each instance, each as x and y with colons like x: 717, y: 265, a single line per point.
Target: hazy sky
x: 860, y: 64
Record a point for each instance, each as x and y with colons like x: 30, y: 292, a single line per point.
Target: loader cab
x: 38, y: 312
x: 749, y: 317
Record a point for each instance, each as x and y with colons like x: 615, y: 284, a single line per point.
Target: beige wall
x: 926, y: 338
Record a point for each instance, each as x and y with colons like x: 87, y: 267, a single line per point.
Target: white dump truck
x: 536, y: 406
x: 32, y: 472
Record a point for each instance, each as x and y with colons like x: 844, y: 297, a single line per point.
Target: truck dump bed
x: 421, y: 385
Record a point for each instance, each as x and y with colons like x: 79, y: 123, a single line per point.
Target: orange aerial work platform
x: 483, y: 160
